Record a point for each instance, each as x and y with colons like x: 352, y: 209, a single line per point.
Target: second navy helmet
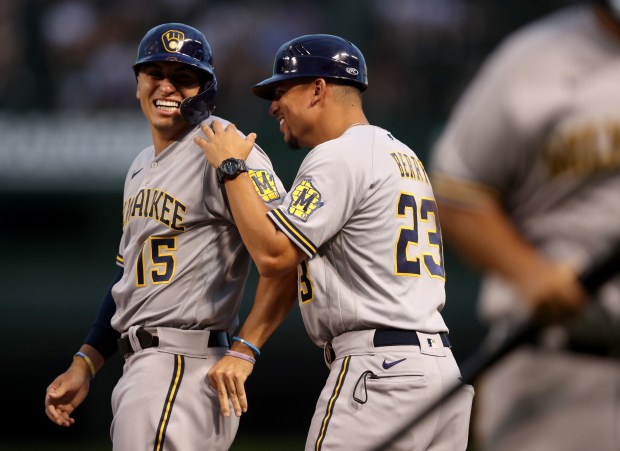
x: 316, y: 55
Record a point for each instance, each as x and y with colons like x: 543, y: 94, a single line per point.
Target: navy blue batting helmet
x: 316, y: 55
x: 181, y: 43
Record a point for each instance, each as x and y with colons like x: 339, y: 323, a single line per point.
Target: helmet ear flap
x: 199, y: 107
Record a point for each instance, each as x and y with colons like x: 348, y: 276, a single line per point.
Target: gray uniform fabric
x: 363, y: 210
x: 373, y: 392
x: 185, y: 269
x: 539, y: 128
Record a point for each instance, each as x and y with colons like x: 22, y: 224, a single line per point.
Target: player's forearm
x: 101, y: 335
x: 272, y: 302
x: 487, y: 239
x: 273, y: 253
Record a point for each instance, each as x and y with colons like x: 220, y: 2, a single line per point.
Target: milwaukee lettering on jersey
x: 410, y: 167
x: 584, y: 150
x: 155, y: 204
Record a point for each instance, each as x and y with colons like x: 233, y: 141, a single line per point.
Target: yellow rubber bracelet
x: 90, y: 363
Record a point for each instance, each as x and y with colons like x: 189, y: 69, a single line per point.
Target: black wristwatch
x: 229, y: 169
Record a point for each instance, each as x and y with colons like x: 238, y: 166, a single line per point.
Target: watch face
x: 229, y: 167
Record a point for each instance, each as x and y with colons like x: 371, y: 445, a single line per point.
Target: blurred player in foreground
x: 361, y: 227
x: 527, y: 177
x: 183, y: 269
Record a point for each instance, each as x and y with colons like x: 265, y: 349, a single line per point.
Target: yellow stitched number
x: 406, y: 265
x: 161, y: 258
x: 304, y: 283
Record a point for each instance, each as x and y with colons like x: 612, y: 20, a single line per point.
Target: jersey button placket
x: 147, y: 180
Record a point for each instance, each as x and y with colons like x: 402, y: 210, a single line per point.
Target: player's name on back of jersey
x: 410, y: 167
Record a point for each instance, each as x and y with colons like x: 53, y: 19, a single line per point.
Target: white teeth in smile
x: 167, y: 104
x: 281, y: 121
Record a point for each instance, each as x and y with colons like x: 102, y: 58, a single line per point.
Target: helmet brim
x: 266, y: 89
x: 175, y: 59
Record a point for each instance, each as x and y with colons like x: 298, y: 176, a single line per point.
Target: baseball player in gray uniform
x: 184, y: 267
x: 360, y: 225
x: 527, y: 176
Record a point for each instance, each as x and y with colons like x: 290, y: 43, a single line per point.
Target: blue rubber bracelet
x: 89, y: 362
x: 248, y: 344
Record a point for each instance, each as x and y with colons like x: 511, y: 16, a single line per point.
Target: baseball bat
x: 490, y: 351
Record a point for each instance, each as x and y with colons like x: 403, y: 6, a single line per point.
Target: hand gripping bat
x: 491, y: 351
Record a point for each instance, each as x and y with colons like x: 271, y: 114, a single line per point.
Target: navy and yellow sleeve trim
x: 282, y: 223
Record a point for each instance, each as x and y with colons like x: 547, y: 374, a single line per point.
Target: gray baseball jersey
x: 539, y: 127
x: 185, y: 268
x: 184, y: 263
x: 363, y: 210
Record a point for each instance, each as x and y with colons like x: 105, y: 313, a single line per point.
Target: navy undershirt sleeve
x: 101, y: 335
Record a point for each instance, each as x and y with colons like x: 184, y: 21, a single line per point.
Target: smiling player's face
x: 162, y: 86
x: 291, y: 107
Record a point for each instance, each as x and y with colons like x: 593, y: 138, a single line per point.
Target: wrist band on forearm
x: 240, y: 355
x: 248, y: 344
x: 90, y: 363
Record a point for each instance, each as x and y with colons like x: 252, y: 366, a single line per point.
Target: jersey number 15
x: 162, y: 261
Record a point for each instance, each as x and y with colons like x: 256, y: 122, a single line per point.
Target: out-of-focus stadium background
x: 70, y: 126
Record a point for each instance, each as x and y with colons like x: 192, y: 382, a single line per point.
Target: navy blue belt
x: 388, y: 337
x: 398, y: 337
x: 217, y: 339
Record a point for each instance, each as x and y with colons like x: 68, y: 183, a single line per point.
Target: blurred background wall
x: 70, y: 126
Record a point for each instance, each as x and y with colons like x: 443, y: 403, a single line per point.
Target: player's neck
x: 351, y: 120
x: 162, y: 140
x: 327, y: 130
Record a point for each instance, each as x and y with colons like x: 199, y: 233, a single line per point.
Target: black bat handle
x: 601, y: 271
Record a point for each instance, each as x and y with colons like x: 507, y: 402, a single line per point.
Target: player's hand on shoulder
x: 220, y: 143
x: 227, y: 377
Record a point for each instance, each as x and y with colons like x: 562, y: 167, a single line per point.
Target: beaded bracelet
x: 248, y: 344
x: 90, y: 363
x: 240, y: 355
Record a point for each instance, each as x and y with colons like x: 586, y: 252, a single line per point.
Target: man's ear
x: 319, y: 87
